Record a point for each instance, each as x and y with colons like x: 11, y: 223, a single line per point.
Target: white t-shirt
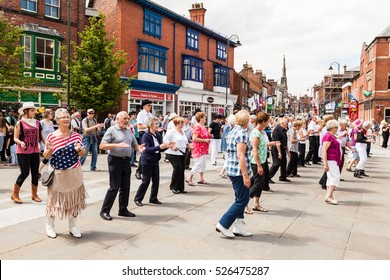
x: 142, y: 118
x: 312, y: 126
x: 179, y: 139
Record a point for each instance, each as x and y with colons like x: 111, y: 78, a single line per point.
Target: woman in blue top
x: 238, y: 170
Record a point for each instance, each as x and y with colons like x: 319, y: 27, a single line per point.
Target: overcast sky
x: 310, y: 33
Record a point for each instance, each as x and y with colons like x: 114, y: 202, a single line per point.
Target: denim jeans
x: 90, y: 144
x: 237, y: 209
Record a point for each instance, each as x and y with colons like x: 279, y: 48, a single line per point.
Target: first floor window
x: 29, y: 5
x: 192, y: 69
x: 221, y: 76
x: 152, y: 24
x: 44, y: 53
x: 52, y: 8
x: 152, y: 59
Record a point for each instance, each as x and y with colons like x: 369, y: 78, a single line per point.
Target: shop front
x: 211, y: 103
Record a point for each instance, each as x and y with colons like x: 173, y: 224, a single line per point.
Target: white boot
x: 73, y: 230
x: 220, y: 228
x: 239, y: 228
x: 50, y: 230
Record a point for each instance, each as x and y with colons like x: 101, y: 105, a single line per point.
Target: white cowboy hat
x: 172, y: 115
x: 26, y: 105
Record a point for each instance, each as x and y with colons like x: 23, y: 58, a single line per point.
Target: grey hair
x: 120, y: 115
x: 366, y: 125
x: 331, y: 124
x: 59, y: 112
x: 343, y: 121
x: 151, y: 121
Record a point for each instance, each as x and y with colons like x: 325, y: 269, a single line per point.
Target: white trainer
x: 239, y: 228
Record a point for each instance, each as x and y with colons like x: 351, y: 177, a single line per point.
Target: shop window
x: 192, y: 40
x: 152, y: 58
x: 221, y: 78
x: 221, y: 51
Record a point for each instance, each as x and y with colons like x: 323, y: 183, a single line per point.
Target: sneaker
x: 225, y: 232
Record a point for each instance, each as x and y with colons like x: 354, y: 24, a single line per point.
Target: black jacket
x: 149, y: 156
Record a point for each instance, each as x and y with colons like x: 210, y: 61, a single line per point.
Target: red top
x: 200, y: 148
x: 30, y: 138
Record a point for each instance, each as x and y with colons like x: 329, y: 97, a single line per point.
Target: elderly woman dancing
x: 66, y: 196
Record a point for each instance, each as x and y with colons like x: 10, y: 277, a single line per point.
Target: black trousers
x: 28, y: 162
x: 278, y: 162
x: 3, y: 151
x: 149, y: 173
x: 177, y: 181
x: 385, y: 139
x: 139, y: 168
x: 292, y: 167
x: 119, y: 176
x: 312, y: 154
x: 301, y: 154
x: 187, y: 160
x: 257, y: 181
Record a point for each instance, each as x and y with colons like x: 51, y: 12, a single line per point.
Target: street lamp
x: 237, y: 43
x: 338, y: 67
x: 331, y: 77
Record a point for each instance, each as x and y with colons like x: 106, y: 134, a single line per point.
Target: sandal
x: 259, y: 208
x: 189, y: 182
x: 248, y: 211
x: 203, y: 182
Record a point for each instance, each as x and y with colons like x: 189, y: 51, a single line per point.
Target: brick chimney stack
x: 197, y: 13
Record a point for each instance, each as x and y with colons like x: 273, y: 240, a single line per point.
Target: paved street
x: 299, y: 224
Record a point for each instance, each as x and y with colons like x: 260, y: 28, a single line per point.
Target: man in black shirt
x: 215, y: 144
x: 279, y: 153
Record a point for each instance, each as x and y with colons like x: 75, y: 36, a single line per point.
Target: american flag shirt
x: 64, y: 155
x: 237, y: 135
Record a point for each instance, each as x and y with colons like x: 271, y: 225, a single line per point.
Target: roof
x: 183, y: 20
x: 385, y: 33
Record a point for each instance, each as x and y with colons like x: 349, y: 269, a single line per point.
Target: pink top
x: 30, y: 137
x: 200, y: 148
x: 334, y: 150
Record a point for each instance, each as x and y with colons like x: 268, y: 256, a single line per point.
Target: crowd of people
x: 255, y: 148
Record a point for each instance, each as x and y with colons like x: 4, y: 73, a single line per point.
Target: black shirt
x: 279, y: 134
x: 215, y: 129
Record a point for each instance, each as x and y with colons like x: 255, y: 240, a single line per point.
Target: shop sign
x: 137, y: 94
x: 210, y: 99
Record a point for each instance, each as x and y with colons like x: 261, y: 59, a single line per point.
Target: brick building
x: 177, y: 62
x: 46, y: 28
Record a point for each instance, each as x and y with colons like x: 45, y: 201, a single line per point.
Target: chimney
x: 345, y: 68
x: 197, y: 13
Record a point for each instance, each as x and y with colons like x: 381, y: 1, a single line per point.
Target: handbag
x: 47, y: 176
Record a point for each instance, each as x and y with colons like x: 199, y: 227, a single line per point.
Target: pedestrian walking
x: 215, y: 144
x: 361, y: 148
x: 238, y: 170
x: 385, y: 134
x: 90, y: 129
x: 293, y: 147
x: 120, y: 142
x: 187, y: 129
x: 279, y: 153
x: 28, y: 134
x: 66, y: 195
x: 150, y: 161
x: 312, y: 154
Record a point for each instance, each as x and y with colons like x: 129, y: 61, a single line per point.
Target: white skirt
x: 333, y: 174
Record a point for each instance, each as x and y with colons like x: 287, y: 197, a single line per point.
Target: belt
x: 124, y: 158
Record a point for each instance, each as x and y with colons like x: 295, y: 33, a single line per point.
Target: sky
x: 312, y: 34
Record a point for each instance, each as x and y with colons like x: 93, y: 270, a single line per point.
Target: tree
x: 11, y: 68
x: 93, y: 70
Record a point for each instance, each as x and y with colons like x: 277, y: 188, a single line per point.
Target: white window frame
x: 52, y: 7
x: 44, y: 53
x: 27, y: 1
x: 27, y: 50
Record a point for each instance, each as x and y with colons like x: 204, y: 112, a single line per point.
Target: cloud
x: 311, y: 33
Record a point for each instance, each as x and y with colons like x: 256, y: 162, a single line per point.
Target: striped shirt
x: 237, y: 135
x: 64, y: 155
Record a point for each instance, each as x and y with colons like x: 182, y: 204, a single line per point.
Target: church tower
x: 283, y: 79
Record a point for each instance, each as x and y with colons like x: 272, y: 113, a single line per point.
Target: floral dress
x: 200, y: 148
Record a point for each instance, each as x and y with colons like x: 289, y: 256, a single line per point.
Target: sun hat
x: 26, y: 105
x: 358, y: 123
x: 172, y: 115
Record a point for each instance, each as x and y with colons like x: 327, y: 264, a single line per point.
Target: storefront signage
x: 138, y: 94
x: 210, y: 99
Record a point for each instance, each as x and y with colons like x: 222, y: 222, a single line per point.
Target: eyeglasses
x: 91, y: 113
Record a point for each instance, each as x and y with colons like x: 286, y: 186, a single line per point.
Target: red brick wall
x: 125, y: 22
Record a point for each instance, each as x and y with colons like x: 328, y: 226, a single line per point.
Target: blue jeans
x: 237, y: 209
x: 90, y: 143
